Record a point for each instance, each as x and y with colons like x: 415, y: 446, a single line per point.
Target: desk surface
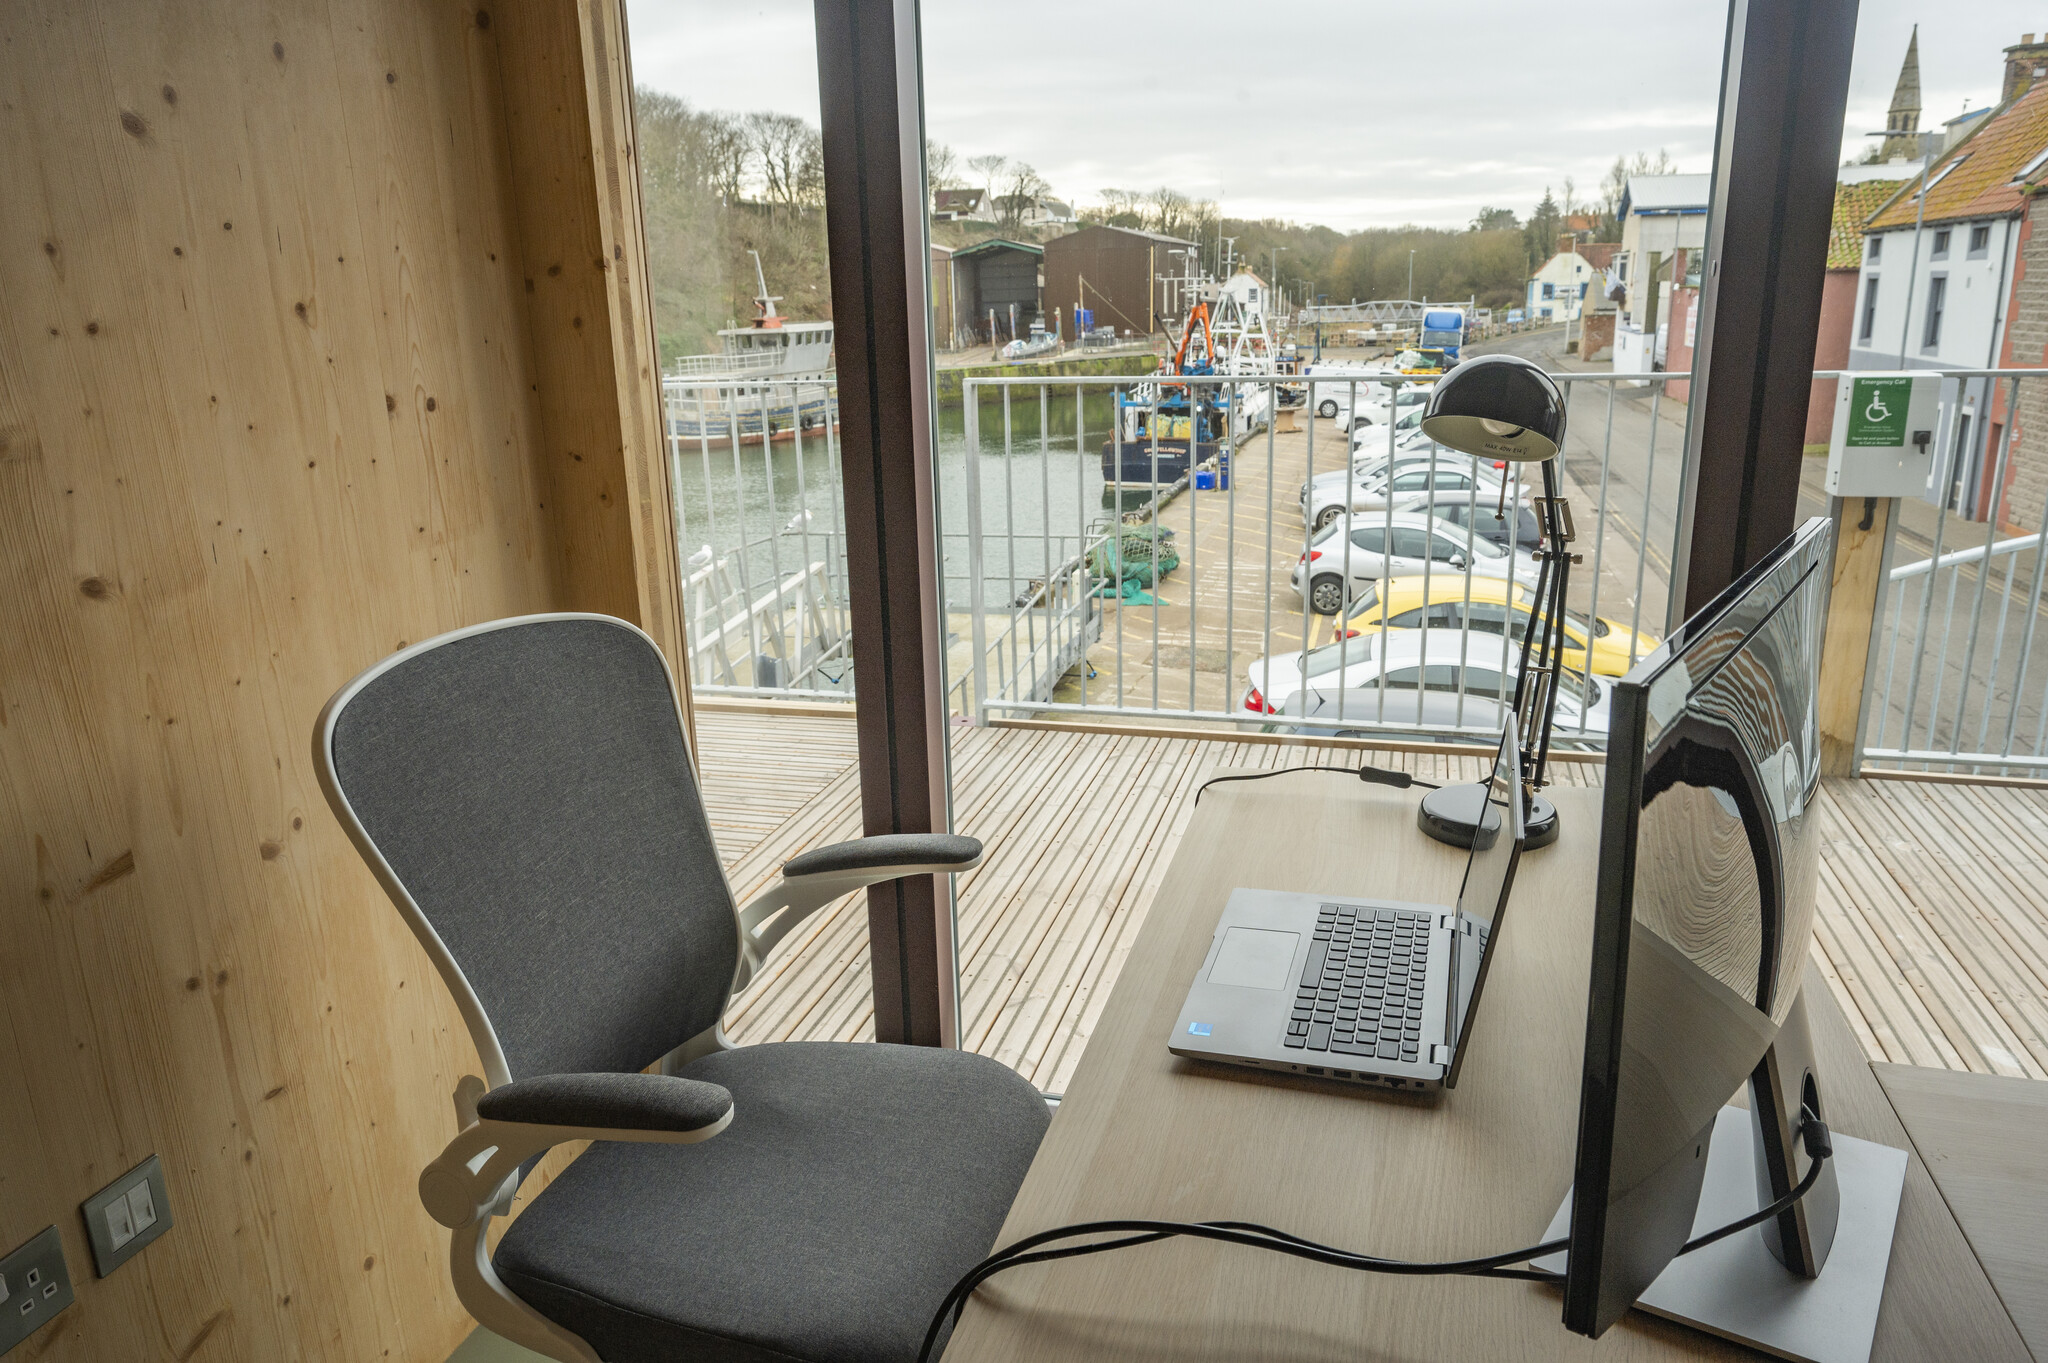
x: 1984, y: 1139
x: 1142, y: 1133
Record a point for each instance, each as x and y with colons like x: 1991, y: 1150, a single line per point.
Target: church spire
x: 1902, y: 124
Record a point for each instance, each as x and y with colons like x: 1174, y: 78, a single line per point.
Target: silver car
x: 1419, y: 543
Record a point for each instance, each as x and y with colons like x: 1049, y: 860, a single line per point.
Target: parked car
x: 1320, y: 574
x: 1405, y: 484
x: 1334, y: 384
x: 1454, y: 479
x: 1365, y: 465
x: 1446, y: 603
x: 1373, y: 410
x: 1438, y: 682
x: 1488, y: 521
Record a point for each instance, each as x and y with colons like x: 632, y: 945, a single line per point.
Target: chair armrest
x: 813, y: 879
x: 618, y: 1102
x: 887, y: 851
x: 467, y: 1182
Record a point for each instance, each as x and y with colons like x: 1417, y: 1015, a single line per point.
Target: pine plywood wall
x: 320, y: 333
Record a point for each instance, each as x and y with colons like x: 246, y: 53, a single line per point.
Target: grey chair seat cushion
x: 856, y: 1183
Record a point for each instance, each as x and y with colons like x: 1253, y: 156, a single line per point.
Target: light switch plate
x: 127, y: 1214
x: 37, y: 1285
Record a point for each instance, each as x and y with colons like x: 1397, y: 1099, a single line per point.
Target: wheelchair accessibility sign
x: 1877, y: 413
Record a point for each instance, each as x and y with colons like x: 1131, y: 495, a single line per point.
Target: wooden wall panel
x: 276, y: 397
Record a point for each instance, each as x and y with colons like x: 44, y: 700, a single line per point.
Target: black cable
x: 1378, y: 776
x: 1819, y: 1148
x: 1229, y: 1232
x: 1812, y: 1132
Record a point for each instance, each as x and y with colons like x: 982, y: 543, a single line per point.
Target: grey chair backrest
x: 524, y: 791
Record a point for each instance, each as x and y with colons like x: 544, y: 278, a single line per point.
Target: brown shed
x: 1113, y: 271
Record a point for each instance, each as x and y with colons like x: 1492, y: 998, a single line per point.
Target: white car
x: 1373, y: 411
x: 1420, y: 543
x: 1333, y: 386
x: 1443, y: 680
x: 1401, y: 485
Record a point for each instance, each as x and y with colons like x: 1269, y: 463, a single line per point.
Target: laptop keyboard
x: 1361, y: 991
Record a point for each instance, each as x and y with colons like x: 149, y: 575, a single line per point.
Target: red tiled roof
x: 1598, y: 254
x: 1854, y: 203
x: 1975, y: 178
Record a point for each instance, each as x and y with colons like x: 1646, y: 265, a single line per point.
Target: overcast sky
x: 1339, y: 113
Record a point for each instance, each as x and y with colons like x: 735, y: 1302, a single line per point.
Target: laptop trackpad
x: 1254, y: 958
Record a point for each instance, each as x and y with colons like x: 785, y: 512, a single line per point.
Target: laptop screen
x: 1483, y: 898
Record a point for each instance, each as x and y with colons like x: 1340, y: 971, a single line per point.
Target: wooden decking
x: 1934, y: 899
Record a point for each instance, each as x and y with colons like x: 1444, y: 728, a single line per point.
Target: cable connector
x: 1813, y: 1134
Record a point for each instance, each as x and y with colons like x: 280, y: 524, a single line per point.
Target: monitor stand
x: 1807, y: 1285
x: 1737, y: 1289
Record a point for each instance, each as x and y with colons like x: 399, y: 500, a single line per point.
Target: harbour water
x: 1041, y: 491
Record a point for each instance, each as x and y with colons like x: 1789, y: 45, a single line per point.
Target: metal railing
x: 1244, y: 608
x: 1954, y: 681
x: 755, y: 475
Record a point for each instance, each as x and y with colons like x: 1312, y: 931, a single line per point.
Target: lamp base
x: 1450, y: 814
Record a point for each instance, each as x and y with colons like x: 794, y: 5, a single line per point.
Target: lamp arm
x: 1552, y: 582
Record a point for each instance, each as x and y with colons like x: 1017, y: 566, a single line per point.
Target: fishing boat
x: 772, y: 379
x: 1163, y: 429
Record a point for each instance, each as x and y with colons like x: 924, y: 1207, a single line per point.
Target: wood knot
x: 133, y: 125
x: 430, y: 404
x: 92, y: 328
x: 277, y: 51
x: 390, y: 403
x: 95, y: 588
x: 269, y: 850
x: 391, y: 78
x: 170, y: 95
x: 483, y: 18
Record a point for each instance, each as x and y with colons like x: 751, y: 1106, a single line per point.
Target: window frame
x: 1868, y: 326
x: 1931, y: 314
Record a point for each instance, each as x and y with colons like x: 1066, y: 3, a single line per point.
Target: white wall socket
x: 127, y: 1214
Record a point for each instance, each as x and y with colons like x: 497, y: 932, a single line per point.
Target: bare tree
x: 1168, y: 210
x: 989, y: 168
x: 1119, y: 208
x: 727, y: 152
x: 789, y: 157
x: 1022, y: 188
x: 941, y: 166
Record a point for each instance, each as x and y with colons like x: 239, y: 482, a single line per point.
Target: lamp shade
x: 1497, y: 407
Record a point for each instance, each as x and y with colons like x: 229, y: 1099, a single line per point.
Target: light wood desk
x: 1142, y: 1133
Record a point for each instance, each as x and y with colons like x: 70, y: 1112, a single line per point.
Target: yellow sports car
x: 1406, y: 606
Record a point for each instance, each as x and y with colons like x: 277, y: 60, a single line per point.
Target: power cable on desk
x: 1812, y: 1131
x: 1378, y: 776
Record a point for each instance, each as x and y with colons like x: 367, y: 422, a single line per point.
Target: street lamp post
x: 1411, y: 276
x: 1275, y: 270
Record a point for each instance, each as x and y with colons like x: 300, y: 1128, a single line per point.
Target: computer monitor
x: 1482, y: 899
x: 1704, y: 911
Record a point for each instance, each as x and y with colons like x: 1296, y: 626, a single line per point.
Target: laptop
x: 1365, y: 991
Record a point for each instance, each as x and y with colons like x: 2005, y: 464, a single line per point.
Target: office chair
x: 523, y: 791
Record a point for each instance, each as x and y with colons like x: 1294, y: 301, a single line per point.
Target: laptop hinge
x: 1447, y: 921
x: 1439, y: 1055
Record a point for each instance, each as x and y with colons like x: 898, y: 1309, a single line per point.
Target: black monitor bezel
x: 1621, y: 807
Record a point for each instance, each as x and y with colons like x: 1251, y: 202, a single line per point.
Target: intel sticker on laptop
x: 1199, y: 1029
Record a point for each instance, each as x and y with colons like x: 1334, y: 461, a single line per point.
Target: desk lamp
x: 1504, y: 407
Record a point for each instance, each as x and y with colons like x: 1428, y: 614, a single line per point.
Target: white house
x: 1660, y: 216
x: 1938, y: 276
x: 1572, y: 282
